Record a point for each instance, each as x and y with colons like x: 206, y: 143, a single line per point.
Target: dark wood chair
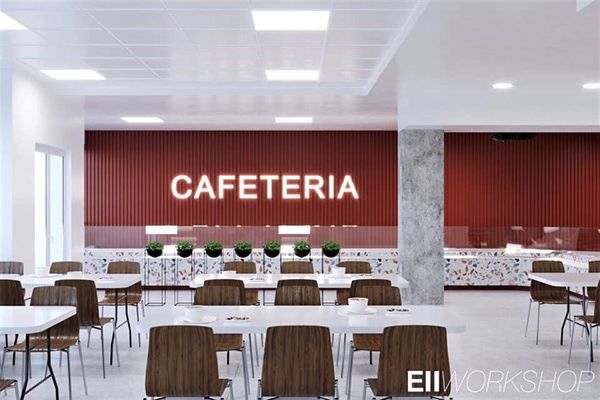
x: 62, y: 267
x: 11, y: 267
x: 411, y: 348
x: 62, y: 336
x: 297, y: 267
x: 297, y: 292
x: 10, y: 384
x: 543, y: 294
x: 589, y: 323
x: 88, y: 313
x: 297, y: 363
x: 352, y: 267
x: 134, y: 293
x: 378, y: 296
x: 182, y: 362
x: 244, y: 267
x: 11, y: 294
x: 592, y: 292
x: 227, y: 294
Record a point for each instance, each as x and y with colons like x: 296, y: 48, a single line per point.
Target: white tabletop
x: 325, y: 281
x: 31, y: 319
x: 262, y: 317
x: 566, y: 279
x: 103, y: 281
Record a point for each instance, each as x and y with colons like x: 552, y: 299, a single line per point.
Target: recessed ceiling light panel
x: 290, y: 20
x: 142, y: 120
x: 73, y: 74
x: 294, y: 120
x: 502, y: 85
x: 292, y: 74
x: 9, y: 24
x: 591, y: 85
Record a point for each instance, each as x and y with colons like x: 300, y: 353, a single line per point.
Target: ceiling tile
x: 49, y: 19
x: 82, y: 37
x: 135, y: 19
x: 222, y: 19
x: 367, y: 19
x: 221, y: 37
x: 151, y: 37
x: 292, y: 39
x: 115, y: 63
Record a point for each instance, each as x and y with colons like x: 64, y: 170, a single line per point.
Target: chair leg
x: 349, y: 375
x: 69, y: 373
x: 117, y: 349
x: 337, y: 357
x: 571, y: 346
x: 137, y: 315
x: 2, y: 364
x: 245, y: 371
x: 103, y: 358
x: 251, y: 355
x: 590, y: 345
x: 82, y: 367
x: 537, y: 331
x: 259, y: 391
x: 60, y: 360
x: 343, y: 356
x: 143, y: 310
x: 256, y: 350
x: 89, y: 329
x: 336, y: 392
x: 364, y: 396
x: 16, y: 387
x: 231, y: 390
x: 528, y: 315
x: 14, y: 360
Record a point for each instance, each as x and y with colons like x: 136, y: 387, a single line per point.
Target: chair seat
x: 251, y: 298
x: 367, y: 342
x: 572, y: 300
x: 586, y: 318
x: 132, y: 299
x: 6, y: 383
x: 228, y: 342
x: 39, y: 345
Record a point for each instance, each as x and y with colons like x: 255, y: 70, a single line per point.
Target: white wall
x: 39, y: 116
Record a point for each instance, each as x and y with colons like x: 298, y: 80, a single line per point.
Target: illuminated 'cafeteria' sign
x: 289, y: 187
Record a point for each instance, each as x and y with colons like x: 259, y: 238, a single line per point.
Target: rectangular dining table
x: 113, y: 282
x: 567, y: 280
x: 15, y: 320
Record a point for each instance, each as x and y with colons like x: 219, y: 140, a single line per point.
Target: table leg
x: 127, y: 314
x: 49, y: 364
x: 26, y: 380
x: 562, y: 329
x: 115, y: 321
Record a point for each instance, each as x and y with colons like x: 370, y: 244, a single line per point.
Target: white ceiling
x: 199, y: 64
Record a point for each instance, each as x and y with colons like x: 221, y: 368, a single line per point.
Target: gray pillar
x: 421, y: 214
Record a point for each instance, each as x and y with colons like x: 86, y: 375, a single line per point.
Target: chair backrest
x: 380, y: 295
x: 11, y: 293
x: 219, y: 295
x: 58, y: 296
x: 62, y: 267
x: 541, y: 291
x: 367, y: 282
x: 297, y: 292
x: 182, y: 362
x: 232, y: 283
x: 593, y: 266
x: 356, y: 267
x: 597, y: 306
x: 87, y: 300
x: 11, y: 267
x: 297, y: 267
x: 241, y: 267
x: 298, y: 362
x: 413, y: 348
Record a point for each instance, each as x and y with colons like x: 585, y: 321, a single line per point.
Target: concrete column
x: 421, y: 214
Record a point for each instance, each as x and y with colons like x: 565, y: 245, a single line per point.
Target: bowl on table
x: 41, y: 271
x: 195, y: 313
x: 338, y: 271
x: 229, y: 274
x: 358, y: 304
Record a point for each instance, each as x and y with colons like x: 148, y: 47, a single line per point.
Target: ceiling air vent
x: 511, y: 137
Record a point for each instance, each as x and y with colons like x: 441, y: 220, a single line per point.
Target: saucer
x: 207, y: 319
x: 367, y: 311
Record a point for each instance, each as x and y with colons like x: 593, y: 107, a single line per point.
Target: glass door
x: 49, y: 207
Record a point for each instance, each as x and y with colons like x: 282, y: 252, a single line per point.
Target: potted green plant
x: 154, y: 249
x: 301, y: 248
x: 184, y: 249
x: 213, y: 249
x: 330, y: 249
x: 242, y: 249
x: 272, y: 248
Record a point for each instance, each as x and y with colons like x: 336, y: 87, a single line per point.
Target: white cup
x: 357, y: 304
x: 74, y: 273
x: 338, y: 271
x: 41, y: 271
x: 194, y: 313
x: 229, y: 274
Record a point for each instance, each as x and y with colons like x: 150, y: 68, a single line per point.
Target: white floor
x: 493, y: 346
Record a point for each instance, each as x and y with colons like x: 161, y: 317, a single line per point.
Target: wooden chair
x: 297, y: 292
x: 545, y: 294
x: 352, y: 267
x: 134, y: 293
x: 182, y: 362
x: 297, y: 363
x: 589, y: 323
x: 10, y: 384
x: 297, y: 267
x: 593, y: 266
x: 62, y: 336
x: 227, y: 294
x: 62, y: 267
x: 244, y: 267
x: 11, y: 267
x: 11, y: 294
x: 88, y: 313
x: 378, y: 296
x: 411, y: 348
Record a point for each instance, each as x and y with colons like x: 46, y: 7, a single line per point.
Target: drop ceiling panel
x: 135, y: 19
x: 361, y: 19
x: 128, y: 74
x: 115, y: 63
x: 80, y: 38
x: 65, y: 19
x: 218, y: 37
x: 218, y: 19
x: 292, y: 39
x: 172, y: 38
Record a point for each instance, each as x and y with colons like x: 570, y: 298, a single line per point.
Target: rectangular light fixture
x: 290, y: 20
x: 73, y: 74
x: 142, y: 120
x: 591, y: 85
x: 293, y: 230
x: 294, y: 120
x: 292, y: 74
x: 502, y: 85
x: 9, y: 24
x: 161, y: 229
